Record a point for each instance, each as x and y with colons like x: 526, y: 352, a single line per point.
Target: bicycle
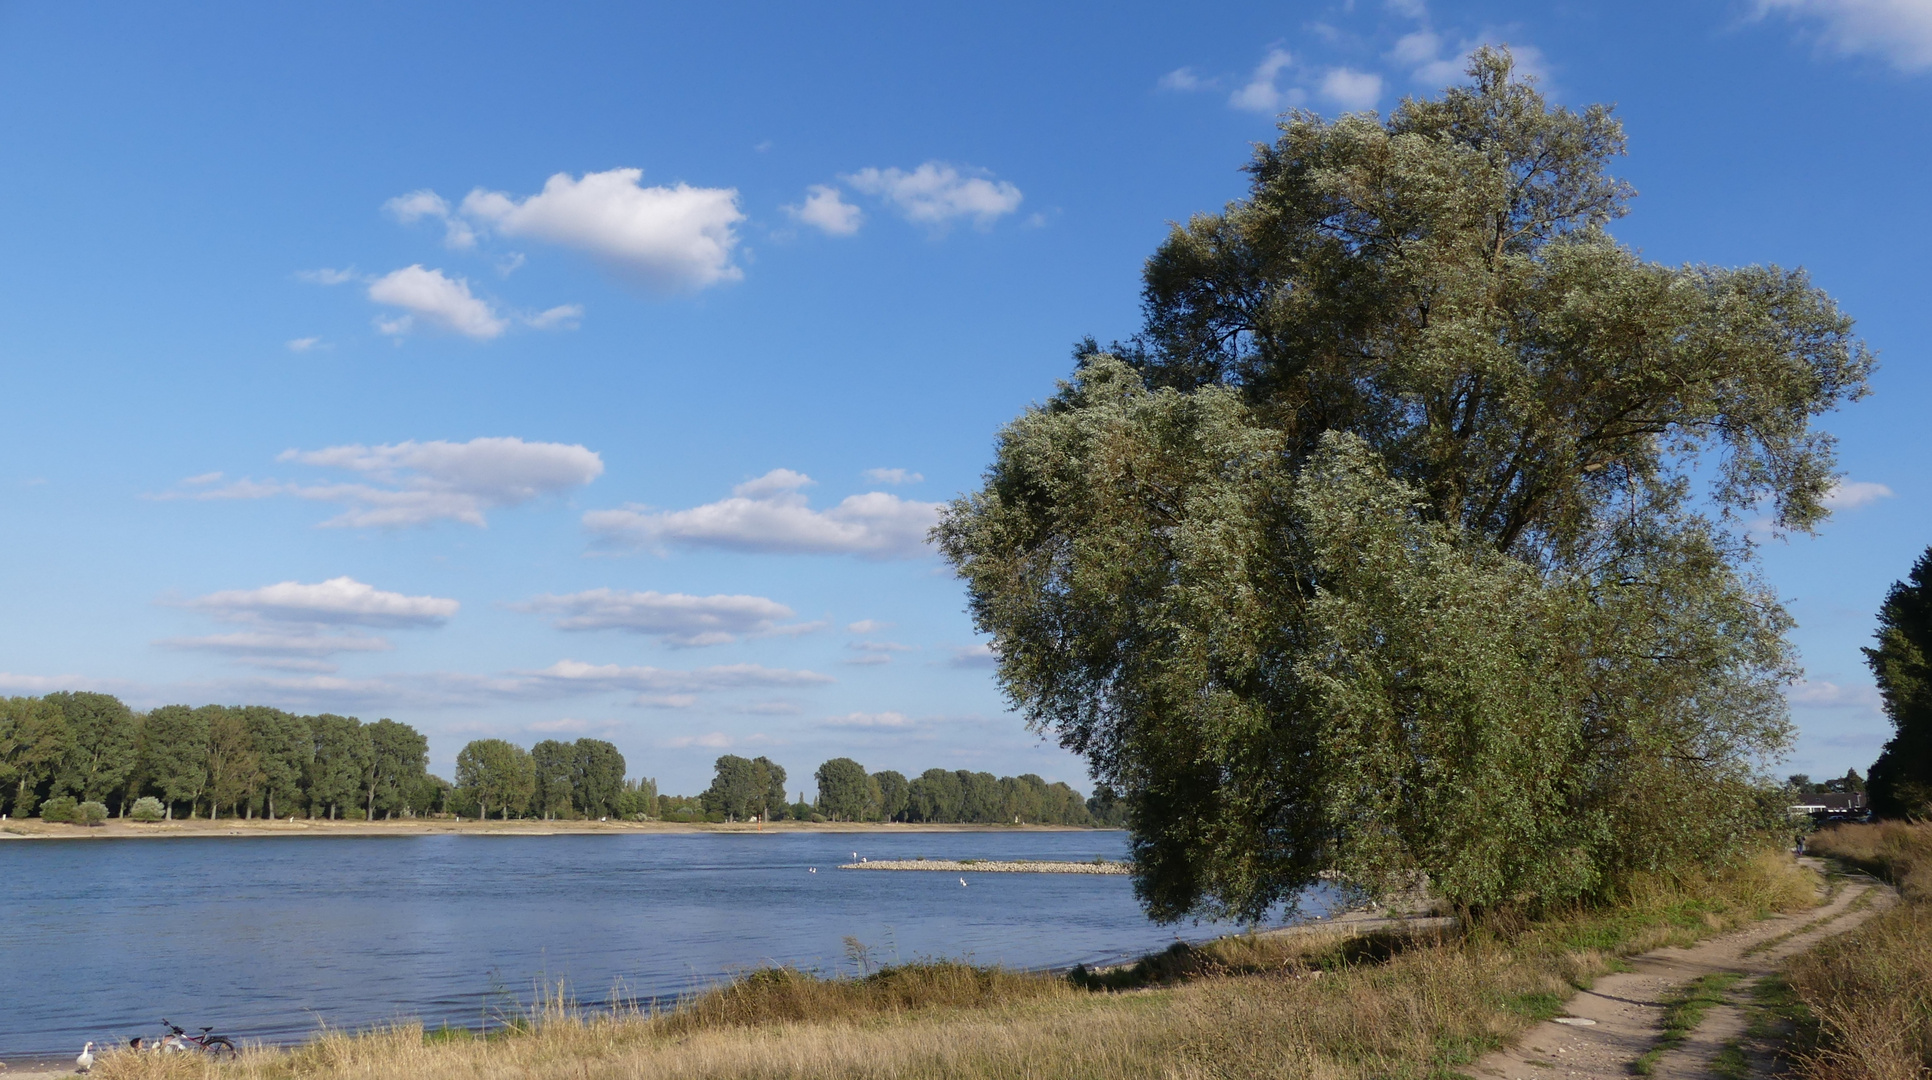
x: 178, y: 1040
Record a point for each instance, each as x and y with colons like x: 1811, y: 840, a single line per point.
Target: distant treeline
x: 742, y: 789
x: 241, y: 761
x: 252, y: 761
x: 61, y: 752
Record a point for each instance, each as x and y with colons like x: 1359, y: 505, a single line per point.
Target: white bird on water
x: 86, y: 1058
x: 813, y: 870
x: 962, y: 883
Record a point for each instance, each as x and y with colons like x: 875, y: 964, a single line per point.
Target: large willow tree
x: 1406, y: 538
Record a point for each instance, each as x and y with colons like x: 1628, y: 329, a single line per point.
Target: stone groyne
x: 992, y: 866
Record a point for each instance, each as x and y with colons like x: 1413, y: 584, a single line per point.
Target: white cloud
x: 713, y: 740
x: 825, y: 211
x: 259, y: 643
x: 1181, y: 79
x: 337, y: 601
x: 872, y: 653
x: 1830, y: 695
x: 566, y: 725
x: 439, y: 480
x: 561, y: 317
x: 893, y: 476
x: 418, y: 483
x: 1259, y: 93
x: 1352, y: 90
x: 443, y: 301
x: 1412, y: 50
x: 770, y: 515
x: 974, y: 656
x: 1900, y: 31
x: 325, y: 276
x: 303, y: 344
x: 1414, y: 9
x: 581, y: 676
x: 936, y: 193
x: 866, y: 626
x: 417, y: 205
x: 772, y: 708
x: 204, y: 478
x: 1850, y: 495
x: 672, y: 238
x: 674, y: 618
x: 892, y: 720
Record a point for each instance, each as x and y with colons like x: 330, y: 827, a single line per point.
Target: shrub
x: 354, y: 813
x: 59, y: 808
x: 90, y: 813
x: 148, y: 808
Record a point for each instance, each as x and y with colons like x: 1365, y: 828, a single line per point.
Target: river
x: 267, y: 938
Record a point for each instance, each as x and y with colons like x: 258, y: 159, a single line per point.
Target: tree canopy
x: 1379, y: 550
x: 1901, y: 778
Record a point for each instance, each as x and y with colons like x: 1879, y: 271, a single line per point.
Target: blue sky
x: 593, y: 369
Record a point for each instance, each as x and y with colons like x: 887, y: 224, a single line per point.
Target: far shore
x: 119, y: 829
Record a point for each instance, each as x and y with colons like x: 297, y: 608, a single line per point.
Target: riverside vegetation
x: 1320, y: 1005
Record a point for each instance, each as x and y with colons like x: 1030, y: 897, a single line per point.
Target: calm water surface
x: 265, y: 938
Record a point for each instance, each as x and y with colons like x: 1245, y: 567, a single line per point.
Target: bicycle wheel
x: 219, y: 1044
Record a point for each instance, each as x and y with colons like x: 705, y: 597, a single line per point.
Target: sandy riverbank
x: 35, y: 829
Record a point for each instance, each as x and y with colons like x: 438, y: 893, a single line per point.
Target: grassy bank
x: 1866, y: 998
x: 1292, y: 1006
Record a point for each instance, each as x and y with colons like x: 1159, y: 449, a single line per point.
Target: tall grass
x: 1322, y: 1006
x: 1870, y: 992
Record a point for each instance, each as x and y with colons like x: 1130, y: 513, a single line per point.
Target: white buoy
x: 86, y: 1058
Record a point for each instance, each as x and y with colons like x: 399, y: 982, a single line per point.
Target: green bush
x: 59, y: 808
x: 354, y: 813
x: 715, y: 817
x: 90, y: 813
x: 148, y: 808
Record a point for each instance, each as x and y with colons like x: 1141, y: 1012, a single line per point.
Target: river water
x: 267, y: 938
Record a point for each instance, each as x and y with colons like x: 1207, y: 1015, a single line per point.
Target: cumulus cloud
x: 337, y: 601
x: 1852, y: 494
x: 770, y: 514
x: 824, y: 210
x: 442, y: 301
x: 1897, y: 31
x: 412, y: 483
x: 866, y: 626
x: 1260, y: 93
x: 674, y: 618
x: 417, y: 205
x: 937, y: 194
x: 876, y: 652
x: 1352, y: 90
x: 893, y: 476
x: 675, y: 238
x: 711, y: 740
x: 303, y: 344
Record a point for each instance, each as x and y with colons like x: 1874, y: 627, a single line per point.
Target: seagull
x: 86, y: 1058
x: 962, y: 883
x: 855, y: 855
x: 813, y: 870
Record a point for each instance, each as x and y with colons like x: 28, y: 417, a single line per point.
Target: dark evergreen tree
x: 1900, y: 782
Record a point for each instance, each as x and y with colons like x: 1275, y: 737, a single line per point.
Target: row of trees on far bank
x: 744, y: 788
x: 552, y: 780
x: 245, y: 761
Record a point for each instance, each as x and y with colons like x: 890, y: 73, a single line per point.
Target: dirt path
x: 1620, y: 1019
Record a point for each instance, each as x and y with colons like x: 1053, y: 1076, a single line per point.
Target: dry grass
x: 1870, y: 992
x: 1316, y: 1006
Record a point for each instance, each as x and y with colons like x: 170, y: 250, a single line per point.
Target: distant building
x: 1829, y: 804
